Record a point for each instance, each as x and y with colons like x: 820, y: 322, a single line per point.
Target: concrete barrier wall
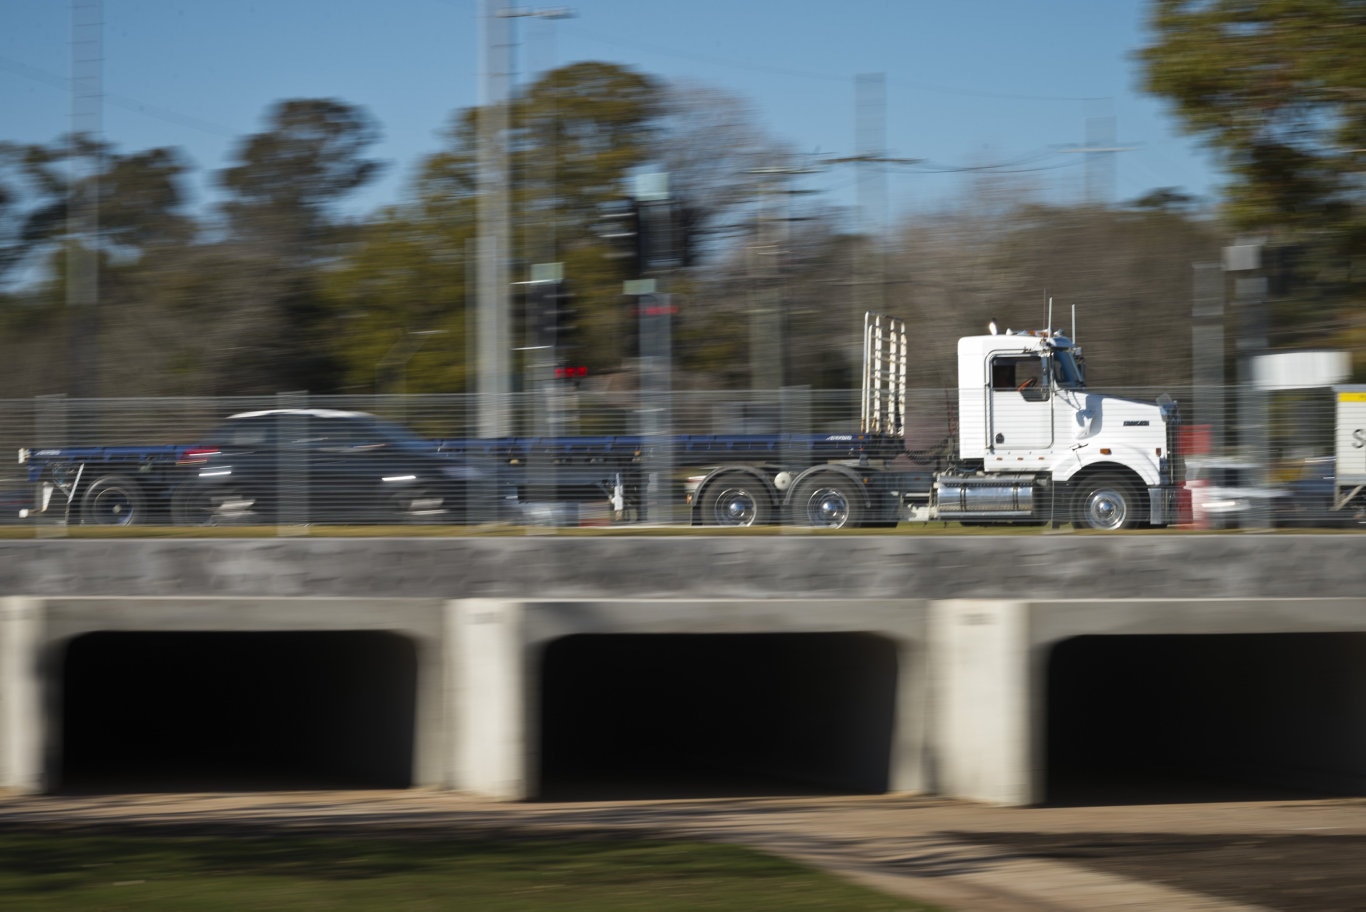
x: 1054, y: 566
x: 972, y: 655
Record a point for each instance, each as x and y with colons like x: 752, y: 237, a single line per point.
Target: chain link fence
x: 571, y: 457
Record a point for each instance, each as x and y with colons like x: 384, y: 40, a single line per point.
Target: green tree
x: 287, y: 180
x: 575, y: 136
x: 136, y: 199
x: 407, y: 275
x: 283, y: 227
x: 78, y: 199
x: 1277, y: 88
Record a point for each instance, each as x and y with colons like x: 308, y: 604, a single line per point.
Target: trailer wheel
x: 113, y: 500
x: 1106, y: 503
x: 827, y: 502
x: 735, y: 500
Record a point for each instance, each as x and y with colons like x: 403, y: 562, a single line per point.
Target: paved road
x: 1286, y: 854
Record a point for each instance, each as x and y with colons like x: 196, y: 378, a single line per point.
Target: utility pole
x: 870, y: 137
x: 492, y: 261
x: 1100, y: 151
x: 494, y: 248
x: 83, y: 214
x: 767, y: 319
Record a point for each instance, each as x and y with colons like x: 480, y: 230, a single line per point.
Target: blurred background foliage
x: 277, y: 288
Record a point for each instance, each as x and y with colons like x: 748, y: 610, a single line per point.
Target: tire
x: 113, y: 500
x: 827, y: 502
x: 1106, y: 503
x: 196, y: 504
x: 418, y: 505
x: 735, y: 500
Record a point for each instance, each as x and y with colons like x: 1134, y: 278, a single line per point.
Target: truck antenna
x: 1074, y: 323
x: 1048, y: 325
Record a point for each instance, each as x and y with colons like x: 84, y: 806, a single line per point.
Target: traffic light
x: 648, y: 235
x: 553, y: 315
x: 563, y: 316
x: 620, y: 226
x: 658, y: 233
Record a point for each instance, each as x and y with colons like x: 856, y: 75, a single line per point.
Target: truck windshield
x: 1066, y: 371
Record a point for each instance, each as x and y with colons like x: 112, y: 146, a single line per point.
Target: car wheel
x: 198, y: 504
x: 417, y: 504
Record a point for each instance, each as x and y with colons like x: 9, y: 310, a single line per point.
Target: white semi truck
x: 1026, y: 443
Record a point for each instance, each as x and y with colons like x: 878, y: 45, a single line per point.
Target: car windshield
x: 398, y: 435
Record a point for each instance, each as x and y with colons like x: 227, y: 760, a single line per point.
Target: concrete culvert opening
x: 658, y: 716
x: 1149, y: 719
x: 237, y: 711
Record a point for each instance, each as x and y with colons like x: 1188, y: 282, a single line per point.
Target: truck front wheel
x: 113, y: 501
x: 1106, y: 503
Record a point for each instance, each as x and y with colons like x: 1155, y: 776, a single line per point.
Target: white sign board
x: 1351, y: 435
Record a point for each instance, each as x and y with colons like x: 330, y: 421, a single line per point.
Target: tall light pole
x: 494, y: 347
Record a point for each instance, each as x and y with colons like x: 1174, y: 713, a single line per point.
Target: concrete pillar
x: 434, y: 742
x: 910, y: 768
x: 987, y: 728
x: 23, y: 724
x: 492, y: 708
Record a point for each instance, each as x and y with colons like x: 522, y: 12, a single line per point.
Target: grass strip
x: 45, y: 871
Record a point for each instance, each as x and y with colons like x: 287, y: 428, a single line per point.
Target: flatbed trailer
x: 125, y: 485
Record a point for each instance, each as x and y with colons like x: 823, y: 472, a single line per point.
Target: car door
x: 346, y: 465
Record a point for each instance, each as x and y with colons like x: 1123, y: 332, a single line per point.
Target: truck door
x: 1019, y: 403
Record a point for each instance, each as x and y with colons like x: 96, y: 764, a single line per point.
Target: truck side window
x: 1002, y: 374
x: 1020, y: 373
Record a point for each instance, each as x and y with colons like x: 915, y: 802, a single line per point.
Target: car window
x: 329, y: 433
x: 244, y: 432
x: 397, y: 434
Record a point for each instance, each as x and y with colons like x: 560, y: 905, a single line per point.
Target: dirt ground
x: 1293, y: 854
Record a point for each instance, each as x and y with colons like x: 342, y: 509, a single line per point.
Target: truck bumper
x: 1162, y: 505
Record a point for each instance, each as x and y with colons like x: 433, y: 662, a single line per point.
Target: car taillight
x: 196, y: 456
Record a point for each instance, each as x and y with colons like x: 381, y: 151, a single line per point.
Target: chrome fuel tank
x: 986, y: 496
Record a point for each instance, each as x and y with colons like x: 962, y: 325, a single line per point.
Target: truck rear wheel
x: 1106, y: 503
x: 735, y: 500
x: 113, y: 500
x: 827, y: 502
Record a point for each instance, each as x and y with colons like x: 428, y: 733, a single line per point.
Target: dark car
x: 318, y: 466
x: 1309, y: 499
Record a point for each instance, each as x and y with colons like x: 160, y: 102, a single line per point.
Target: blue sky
x: 967, y: 83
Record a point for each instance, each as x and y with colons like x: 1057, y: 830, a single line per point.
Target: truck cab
x: 1068, y: 454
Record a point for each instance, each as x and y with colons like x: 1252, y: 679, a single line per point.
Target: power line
x: 125, y: 102
x: 738, y: 64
